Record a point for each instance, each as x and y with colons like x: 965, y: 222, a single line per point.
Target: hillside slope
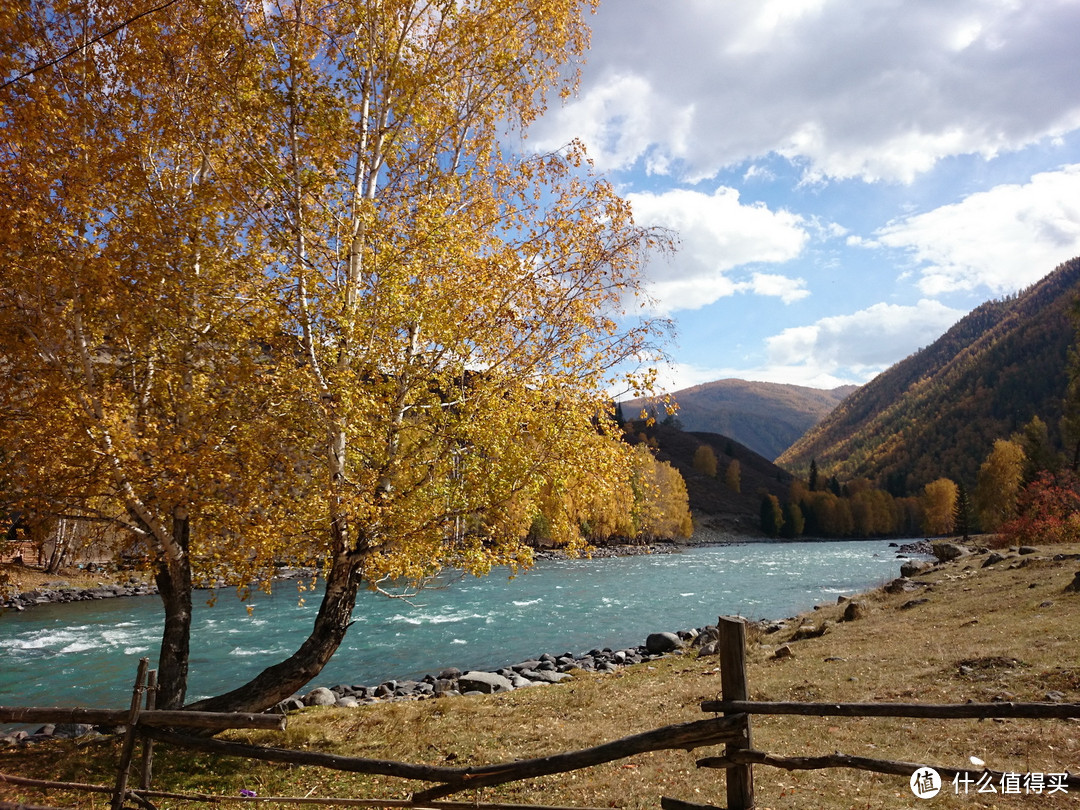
x: 765, y: 417
x: 714, y: 505
x: 938, y: 412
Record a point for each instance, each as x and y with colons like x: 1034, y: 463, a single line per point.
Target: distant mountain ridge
x: 766, y: 417
x: 938, y: 412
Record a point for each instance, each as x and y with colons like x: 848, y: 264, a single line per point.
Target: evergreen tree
x: 1035, y: 439
x: 813, y: 483
x: 794, y: 523
x: 962, y: 513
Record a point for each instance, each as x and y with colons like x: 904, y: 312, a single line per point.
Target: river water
x: 86, y: 653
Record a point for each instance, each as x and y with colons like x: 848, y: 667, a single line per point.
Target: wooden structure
x: 730, y: 728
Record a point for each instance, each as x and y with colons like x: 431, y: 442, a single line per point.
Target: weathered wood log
x: 45, y: 784
x: 686, y: 736
x: 940, y: 711
x: 838, y: 760
x: 153, y: 719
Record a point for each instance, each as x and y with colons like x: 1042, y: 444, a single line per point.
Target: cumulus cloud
x: 875, y: 89
x: 1002, y: 239
x: 858, y: 346
x: 717, y: 234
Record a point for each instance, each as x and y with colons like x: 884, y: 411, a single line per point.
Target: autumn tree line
x: 1026, y: 492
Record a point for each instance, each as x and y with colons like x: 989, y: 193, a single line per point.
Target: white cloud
x: 877, y: 89
x: 834, y: 351
x: 1002, y: 239
x: 859, y: 346
x: 717, y: 234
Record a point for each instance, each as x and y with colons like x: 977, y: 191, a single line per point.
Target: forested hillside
x: 721, y: 496
x: 938, y: 412
x: 766, y: 417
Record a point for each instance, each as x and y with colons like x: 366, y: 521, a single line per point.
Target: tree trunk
x: 61, y: 544
x: 173, y: 578
x: 282, y: 680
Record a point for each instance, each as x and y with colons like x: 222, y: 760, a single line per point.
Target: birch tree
x: 282, y: 282
x: 456, y: 304
x: 132, y: 318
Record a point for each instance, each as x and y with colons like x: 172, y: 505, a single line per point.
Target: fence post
x: 148, y: 744
x: 120, y: 793
x: 740, y: 778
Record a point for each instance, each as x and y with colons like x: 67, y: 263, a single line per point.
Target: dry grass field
x: 1005, y: 632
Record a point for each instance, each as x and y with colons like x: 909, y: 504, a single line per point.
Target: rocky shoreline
x: 544, y: 670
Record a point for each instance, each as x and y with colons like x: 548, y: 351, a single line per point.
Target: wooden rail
x: 937, y: 711
x: 147, y: 718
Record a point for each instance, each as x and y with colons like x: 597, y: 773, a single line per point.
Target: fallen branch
x: 941, y: 711
x: 898, y: 768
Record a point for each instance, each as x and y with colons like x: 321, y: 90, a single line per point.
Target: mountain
x: 766, y: 417
x: 715, y: 506
x: 938, y: 412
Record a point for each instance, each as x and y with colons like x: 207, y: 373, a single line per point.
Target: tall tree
x: 733, y: 476
x: 997, y: 488
x: 772, y: 515
x: 962, y: 513
x: 453, y: 304
x: 705, y: 460
x: 296, y: 301
x: 131, y: 307
x: 939, y: 506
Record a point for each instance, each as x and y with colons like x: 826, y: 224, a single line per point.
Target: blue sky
x: 848, y: 178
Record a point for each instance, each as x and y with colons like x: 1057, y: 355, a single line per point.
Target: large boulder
x: 913, y: 567
x: 486, y: 682
x: 947, y: 552
x: 658, y: 643
x: 320, y: 696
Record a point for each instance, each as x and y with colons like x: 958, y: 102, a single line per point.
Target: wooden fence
x: 731, y: 728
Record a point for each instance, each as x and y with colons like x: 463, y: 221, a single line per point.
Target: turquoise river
x: 86, y: 653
